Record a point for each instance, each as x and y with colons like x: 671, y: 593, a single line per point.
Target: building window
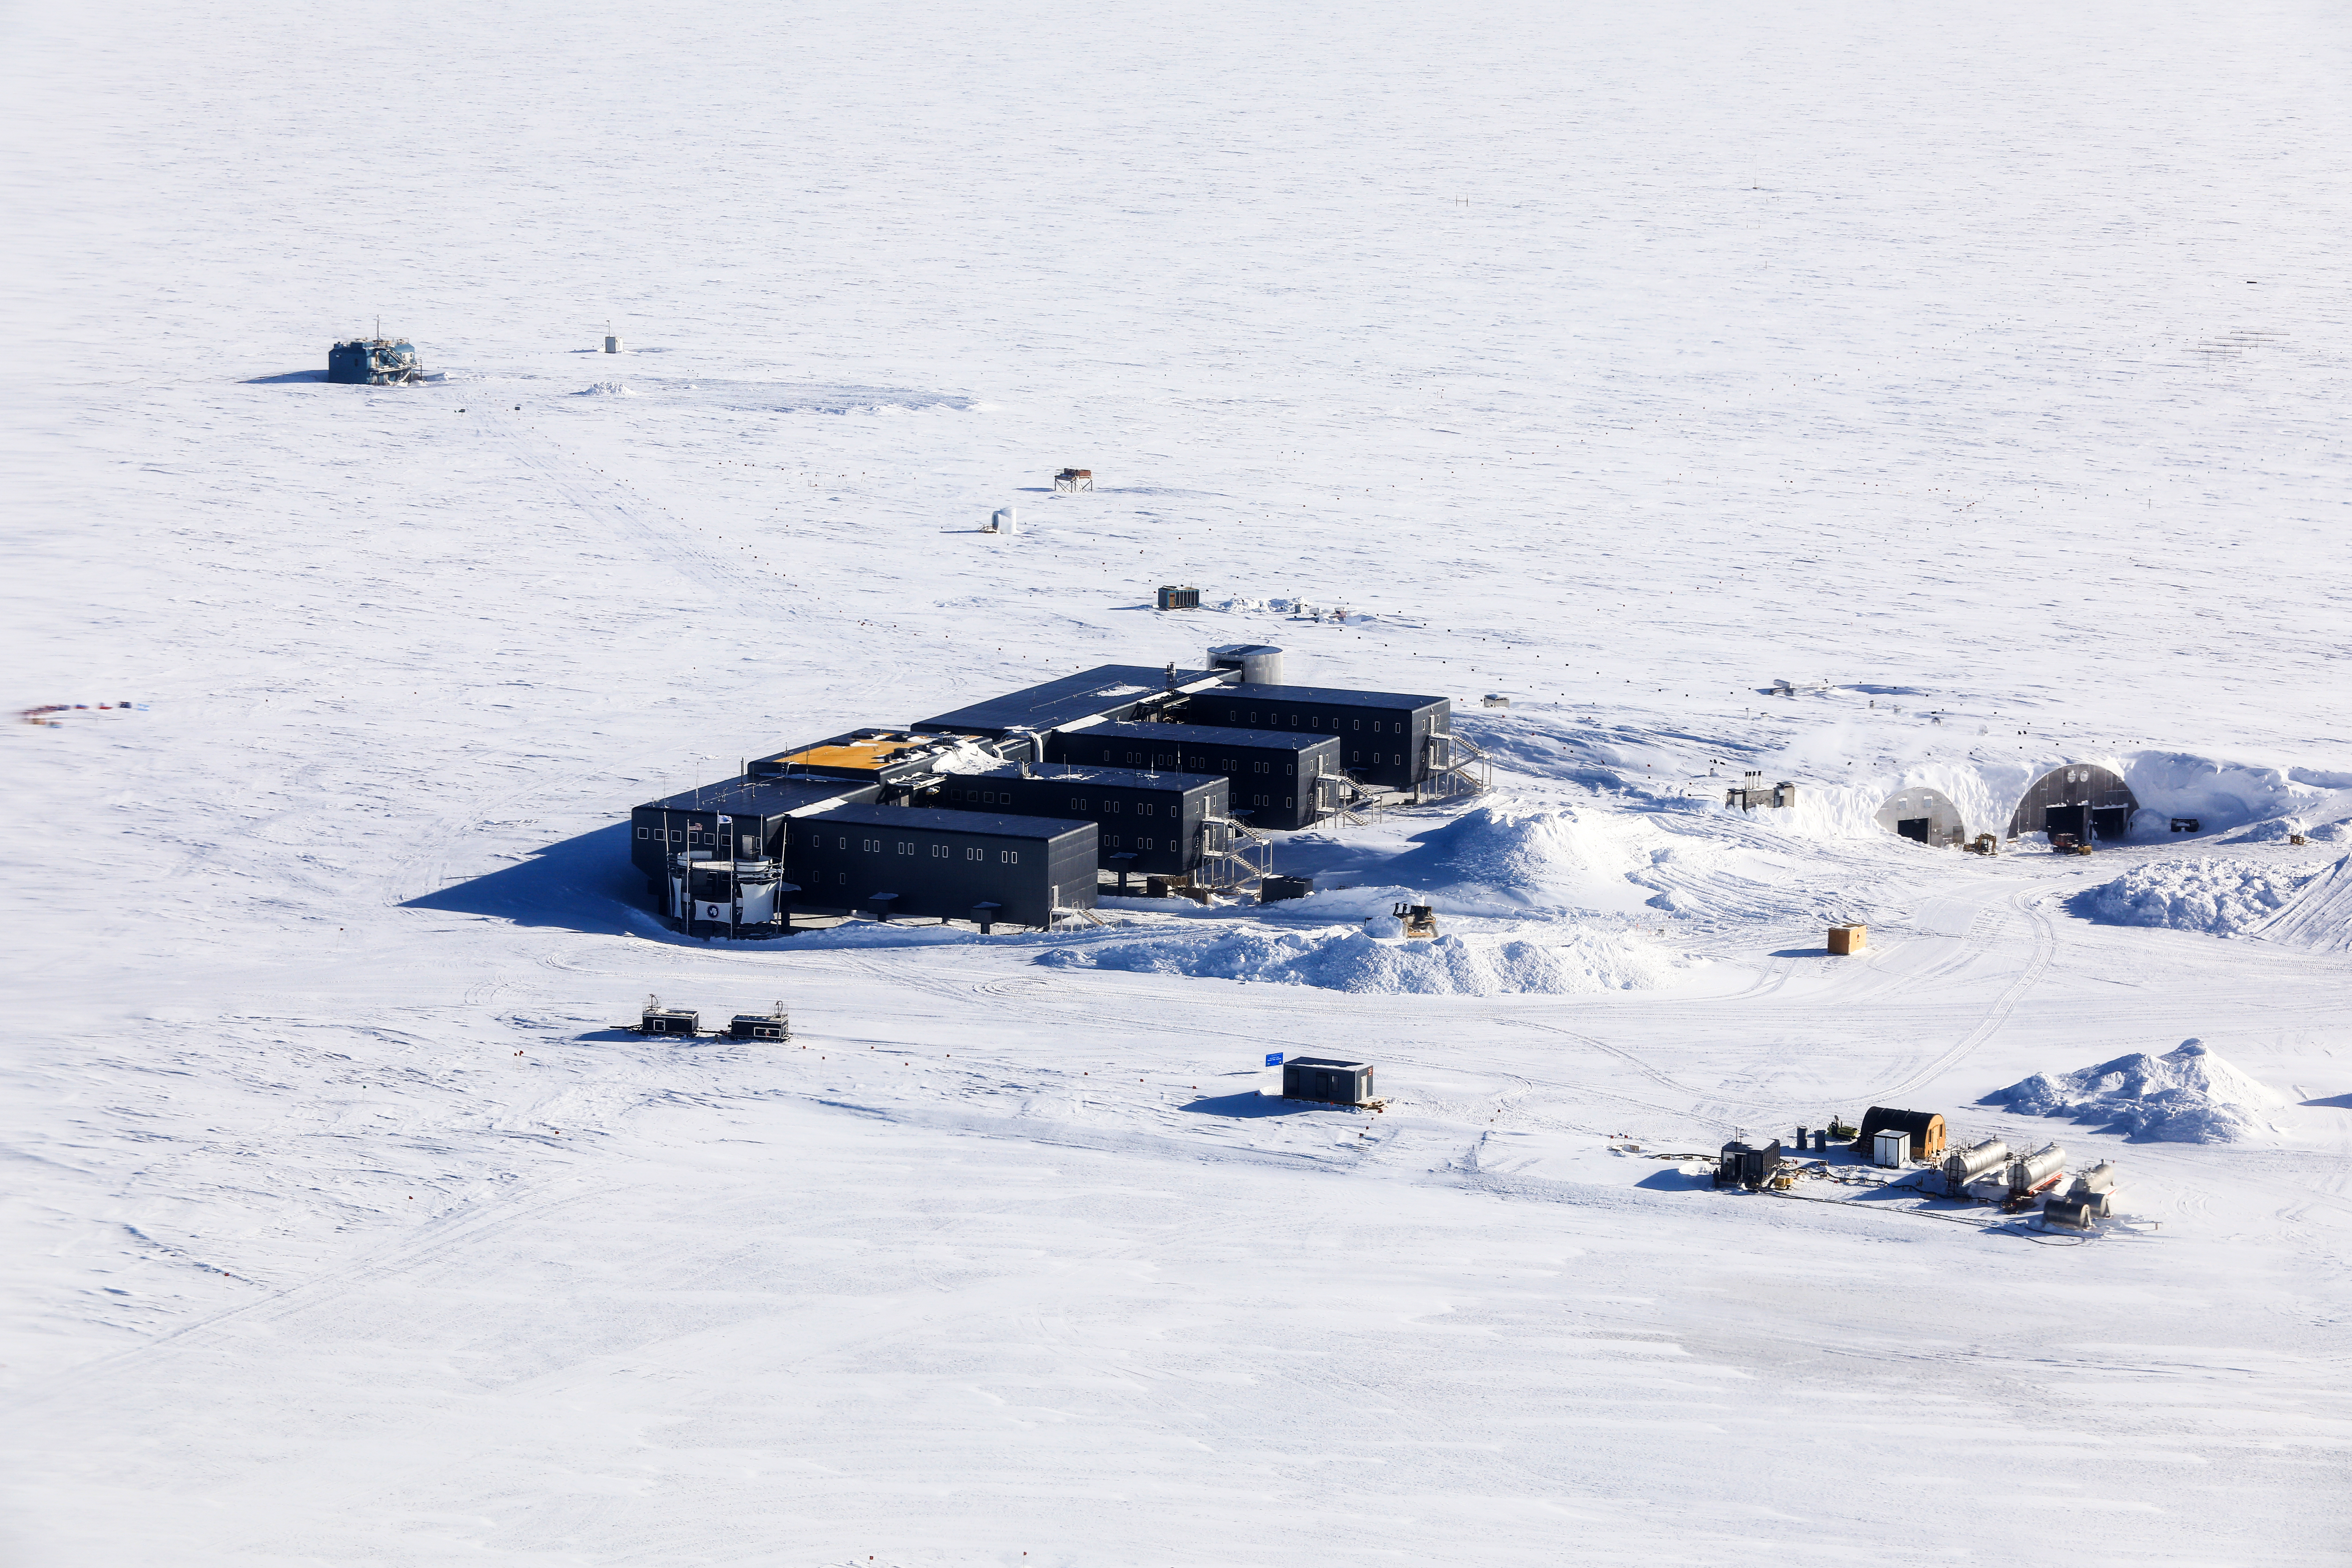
x: 1114, y: 840
x: 1009, y: 857
x: 1145, y: 807
x: 1291, y: 801
x: 973, y: 853
x: 645, y: 833
x: 1360, y: 723
x: 843, y: 879
x: 1144, y: 844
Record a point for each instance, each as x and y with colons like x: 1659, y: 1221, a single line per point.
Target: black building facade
x: 940, y: 864
x: 1156, y: 818
x: 738, y: 819
x: 1383, y: 736
x: 1272, y: 774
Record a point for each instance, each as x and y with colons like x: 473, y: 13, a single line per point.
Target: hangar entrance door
x: 2111, y: 821
x: 1914, y: 828
x: 2074, y: 819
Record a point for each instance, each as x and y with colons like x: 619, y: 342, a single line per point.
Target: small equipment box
x: 772, y: 1026
x: 1326, y: 1081
x: 1847, y: 940
x: 1891, y: 1147
x: 1748, y: 1166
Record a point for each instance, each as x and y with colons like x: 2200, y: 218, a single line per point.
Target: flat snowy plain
x: 1989, y: 362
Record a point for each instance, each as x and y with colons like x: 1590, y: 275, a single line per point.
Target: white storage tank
x: 2029, y: 1172
x: 1962, y: 1166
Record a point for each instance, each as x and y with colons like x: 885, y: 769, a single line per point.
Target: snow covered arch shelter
x: 1924, y: 815
x: 2080, y: 798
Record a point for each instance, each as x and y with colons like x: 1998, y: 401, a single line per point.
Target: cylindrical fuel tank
x: 2099, y: 1178
x: 2028, y: 1172
x: 1962, y: 1166
x: 2068, y: 1212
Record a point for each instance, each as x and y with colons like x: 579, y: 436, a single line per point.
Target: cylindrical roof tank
x: 1962, y: 1166
x: 2028, y: 1172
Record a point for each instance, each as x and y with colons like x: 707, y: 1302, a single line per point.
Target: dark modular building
x: 1383, y: 735
x: 1158, y: 819
x: 1107, y: 692
x: 739, y: 819
x: 1273, y: 774
x: 374, y: 361
x: 938, y: 864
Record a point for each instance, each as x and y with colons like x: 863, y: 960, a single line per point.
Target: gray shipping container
x: 1272, y: 775
x: 940, y: 864
x: 1383, y: 735
x: 1156, y: 818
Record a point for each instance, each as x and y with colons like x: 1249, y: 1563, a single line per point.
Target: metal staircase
x: 1456, y: 766
x: 1233, y: 857
x: 1336, y: 795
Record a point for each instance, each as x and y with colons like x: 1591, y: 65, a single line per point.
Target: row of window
x: 1234, y: 715
x: 1193, y: 764
x: 1140, y: 844
x: 693, y: 833
x: 938, y: 851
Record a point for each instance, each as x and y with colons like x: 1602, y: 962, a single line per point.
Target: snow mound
x: 2220, y: 897
x: 2186, y: 1096
x: 1540, y: 857
x: 1339, y: 958
x: 605, y: 389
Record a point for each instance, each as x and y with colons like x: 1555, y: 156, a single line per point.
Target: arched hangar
x: 1924, y: 816
x: 2080, y: 798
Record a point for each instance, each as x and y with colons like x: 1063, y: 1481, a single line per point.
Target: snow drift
x: 2220, y: 897
x: 1339, y: 958
x: 2320, y: 916
x: 2186, y: 1096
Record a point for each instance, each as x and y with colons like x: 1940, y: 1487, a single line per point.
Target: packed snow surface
x: 2221, y: 898
x: 2188, y: 1095
x: 1340, y: 959
x: 1987, y: 363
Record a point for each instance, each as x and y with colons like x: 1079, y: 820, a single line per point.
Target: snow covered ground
x: 1987, y: 367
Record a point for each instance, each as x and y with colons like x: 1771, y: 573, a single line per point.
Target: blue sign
x: 1274, y: 1058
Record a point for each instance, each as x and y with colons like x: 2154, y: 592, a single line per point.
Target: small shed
x: 1070, y: 481
x: 1326, y: 1081
x: 1926, y: 1129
